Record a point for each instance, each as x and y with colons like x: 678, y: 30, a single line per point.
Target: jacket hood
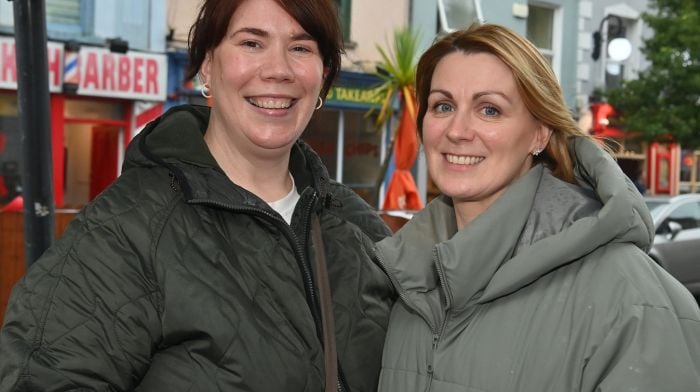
x: 540, y: 223
x: 175, y: 141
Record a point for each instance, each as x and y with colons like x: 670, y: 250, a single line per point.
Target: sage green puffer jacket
x: 175, y: 279
x: 549, y: 289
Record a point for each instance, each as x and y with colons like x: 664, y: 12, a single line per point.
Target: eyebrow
x: 475, y: 96
x: 303, y: 36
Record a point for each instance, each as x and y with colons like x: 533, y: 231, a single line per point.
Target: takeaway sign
x: 134, y: 75
x: 8, y: 65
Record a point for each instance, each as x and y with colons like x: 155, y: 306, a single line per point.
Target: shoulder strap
x: 330, y: 355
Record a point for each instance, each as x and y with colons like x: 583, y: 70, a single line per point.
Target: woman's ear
x: 544, y: 133
x: 205, y: 69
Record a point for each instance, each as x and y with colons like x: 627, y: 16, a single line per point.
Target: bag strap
x: 329, y: 351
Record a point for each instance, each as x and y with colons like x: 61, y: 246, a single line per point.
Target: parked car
x: 677, y: 241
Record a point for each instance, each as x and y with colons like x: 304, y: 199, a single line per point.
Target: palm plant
x: 398, y: 71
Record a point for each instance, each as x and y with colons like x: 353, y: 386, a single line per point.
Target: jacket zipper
x: 291, y: 236
x: 436, y: 331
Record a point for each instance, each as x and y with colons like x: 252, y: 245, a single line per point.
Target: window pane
x: 686, y: 165
x: 687, y: 215
x: 344, y: 8
x: 63, y: 12
x: 540, y: 23
x: 458, y: 13
x: 362, y: 152
x: 663, y: 174
x: 322, y: 135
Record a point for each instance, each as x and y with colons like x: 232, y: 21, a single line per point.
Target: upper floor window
x: 457, y: 14
x: 65, y: 18
x: 344, y: 10
x: 540, y: 28
x: 543, y: 31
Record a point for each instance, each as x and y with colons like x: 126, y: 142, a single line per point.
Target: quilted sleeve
x: 86, y: 315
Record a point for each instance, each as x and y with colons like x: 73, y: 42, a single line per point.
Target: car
x: 676, y: 245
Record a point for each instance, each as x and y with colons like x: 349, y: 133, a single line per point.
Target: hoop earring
x: 204, y: 89
x: 320, y: 103
x: 203, y: 86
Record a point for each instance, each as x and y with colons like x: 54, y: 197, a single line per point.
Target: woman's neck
x: 267, y: 176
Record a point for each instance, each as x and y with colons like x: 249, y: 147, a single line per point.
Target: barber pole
x: 71, y: 68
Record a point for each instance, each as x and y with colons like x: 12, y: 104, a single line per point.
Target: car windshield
x: 655, y: 207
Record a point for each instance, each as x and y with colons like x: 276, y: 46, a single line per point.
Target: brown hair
x: 319, y: 18
x: 534, y: 78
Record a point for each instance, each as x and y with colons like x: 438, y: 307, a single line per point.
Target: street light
x: 619, y: 48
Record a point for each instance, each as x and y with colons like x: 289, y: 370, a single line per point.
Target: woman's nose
x: 461, y: 128
x: 276, y: 66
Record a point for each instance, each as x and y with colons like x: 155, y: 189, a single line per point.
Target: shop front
x: 344, y: 134
x: 99, y: 99
x: 655, y: 167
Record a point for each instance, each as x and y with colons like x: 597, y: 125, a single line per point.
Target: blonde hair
x: 534, y: 78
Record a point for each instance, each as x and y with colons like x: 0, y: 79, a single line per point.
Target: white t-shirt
x: 285, y: 206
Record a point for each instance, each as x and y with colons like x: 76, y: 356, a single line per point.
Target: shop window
x: 344, y: 11
x: 690, y: 171
x: 10, y: 149
x: 362, y: 154
x: 457, y: 14
x: 322, y: 135
x: 358, y: 165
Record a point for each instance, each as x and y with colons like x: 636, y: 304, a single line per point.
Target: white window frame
x: 443, y: 15
x: 557, y: 34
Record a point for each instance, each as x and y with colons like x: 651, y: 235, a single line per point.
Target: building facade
x: 107, y: 77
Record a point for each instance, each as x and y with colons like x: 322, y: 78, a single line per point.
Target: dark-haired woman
x: 202, y: 268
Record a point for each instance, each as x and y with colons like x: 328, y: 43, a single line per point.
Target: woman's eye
x: 442, y: 107
x: 490, y: 111
x: 250, y: 44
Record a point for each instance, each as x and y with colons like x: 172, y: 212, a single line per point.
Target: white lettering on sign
x: 133, y: 75
x: 8, y: 65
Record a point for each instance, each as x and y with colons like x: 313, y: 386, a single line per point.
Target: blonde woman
x: 529, y: 273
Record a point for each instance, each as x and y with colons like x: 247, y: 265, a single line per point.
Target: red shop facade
x: 99, y: 100
x: 657, y: 165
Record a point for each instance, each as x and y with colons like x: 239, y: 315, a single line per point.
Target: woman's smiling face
x: 477, y: 132
x: 265, y: 77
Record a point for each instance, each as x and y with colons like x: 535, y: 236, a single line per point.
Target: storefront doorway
x: 95, y: 135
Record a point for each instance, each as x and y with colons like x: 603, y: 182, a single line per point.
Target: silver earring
x: 536, y: 152
x: 320, y: 103
x: 203, y: 87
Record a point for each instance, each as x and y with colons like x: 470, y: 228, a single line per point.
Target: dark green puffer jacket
x: 176, y: 279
